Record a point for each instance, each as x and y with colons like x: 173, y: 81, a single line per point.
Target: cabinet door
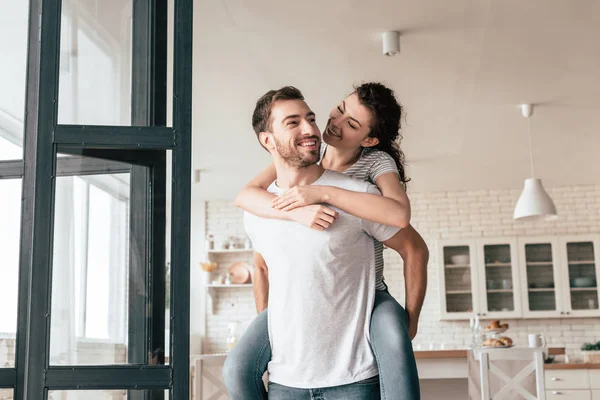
x: 579, y: 263
x: 458, y: 289
x: 540, y: 277
x: 498, y: 278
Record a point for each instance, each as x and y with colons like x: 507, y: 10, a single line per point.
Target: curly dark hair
x: 387, y: 113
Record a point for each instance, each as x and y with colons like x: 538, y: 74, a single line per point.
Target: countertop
x: 426, y: 354
x: 572, y: 366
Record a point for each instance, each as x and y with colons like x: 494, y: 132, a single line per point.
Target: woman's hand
x: 300, y: 196
x: 314, y: 216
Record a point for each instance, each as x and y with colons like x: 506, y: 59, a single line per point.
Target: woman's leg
x: 247, y: 362
x: 393, y: 350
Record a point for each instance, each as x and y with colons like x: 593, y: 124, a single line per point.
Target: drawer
x: 595, y: 394
x: 595, y: 379
x: 567, y: 379
x: 568, y: 395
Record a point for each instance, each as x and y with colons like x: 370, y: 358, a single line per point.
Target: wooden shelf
x: 539, y: 263
x: 499, y: 290
x: 452, y: 266
x: 584, y: 289
x: 458, y: 292
x: 230, y: 251
x: 230, y: 286
x: 582, y: 262
x: 541, y: 289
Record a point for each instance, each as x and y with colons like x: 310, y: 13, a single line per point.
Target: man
x: 322, y: 282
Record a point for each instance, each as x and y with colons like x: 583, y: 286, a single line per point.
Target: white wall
x: 13, y: 42
x: 442, y: 215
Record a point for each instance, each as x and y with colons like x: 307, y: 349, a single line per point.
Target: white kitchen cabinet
x: 498, y: 278
x: 458, y: 279
x: 568, y: 395
x: 539, y: 262
x: 560, y: 276
x: 575, y: 384
x: 479, y: 276
x: 580, y: 271
x: 529, y: 277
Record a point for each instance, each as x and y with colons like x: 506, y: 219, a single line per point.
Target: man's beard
x: 295, y: 158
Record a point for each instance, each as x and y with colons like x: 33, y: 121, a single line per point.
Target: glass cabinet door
x: 582, y: 268
x: 457, y: 281
x: 500, y: 281
x: 539, y: 274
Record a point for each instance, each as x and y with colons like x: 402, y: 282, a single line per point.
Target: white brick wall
x: 443, y: 215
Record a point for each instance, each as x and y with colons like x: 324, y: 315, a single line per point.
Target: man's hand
x: 413, y: 326
x: 299, y: 196
x: 316, y: 216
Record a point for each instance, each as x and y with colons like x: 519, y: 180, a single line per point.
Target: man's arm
x: 413, y: 250
x: 261, y: 283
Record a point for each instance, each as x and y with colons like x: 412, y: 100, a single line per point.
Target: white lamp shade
x: 535, y: 204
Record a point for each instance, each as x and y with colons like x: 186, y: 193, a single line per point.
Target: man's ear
x: 369, y: 141
x: 266, y: 140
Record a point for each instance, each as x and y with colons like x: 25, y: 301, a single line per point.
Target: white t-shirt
x: 321, y: 293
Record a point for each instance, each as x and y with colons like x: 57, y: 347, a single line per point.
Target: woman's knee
x: 234, y: 368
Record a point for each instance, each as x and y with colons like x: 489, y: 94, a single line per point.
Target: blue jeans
x: 399, y: 379
x: 367, y: 389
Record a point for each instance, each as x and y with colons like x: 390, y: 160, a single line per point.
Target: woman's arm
x: 392, y: 208
x: 255, y: 199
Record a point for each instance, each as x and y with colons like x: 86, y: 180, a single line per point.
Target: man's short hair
x: 261, y: 118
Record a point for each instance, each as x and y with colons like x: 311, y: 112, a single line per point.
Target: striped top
x: 370, y: 166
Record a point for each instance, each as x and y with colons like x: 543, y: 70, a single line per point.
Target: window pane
x: 103, y: 394
x: 13, y: 67
x: 95, y: 62
x: 101, y: 310
x: 10, y: 217
x: 6, y: 394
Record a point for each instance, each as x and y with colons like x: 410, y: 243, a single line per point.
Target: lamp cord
x: 530, y: 152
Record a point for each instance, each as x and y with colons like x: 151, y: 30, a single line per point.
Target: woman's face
x: 349, y: 125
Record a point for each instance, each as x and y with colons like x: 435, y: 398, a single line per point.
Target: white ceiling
x: 463, y: 69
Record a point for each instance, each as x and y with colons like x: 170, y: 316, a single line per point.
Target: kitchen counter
x: 572, y: 366
x: 423, y: 354
x: 462, y: 353
x: 420, y: 354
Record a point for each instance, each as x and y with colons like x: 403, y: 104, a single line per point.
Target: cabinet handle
x: 562, y: 313
x: 557, y: 393
x: 568, y: 313
x: 555, y: 379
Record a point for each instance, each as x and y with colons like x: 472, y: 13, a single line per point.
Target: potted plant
x: 591, y: 352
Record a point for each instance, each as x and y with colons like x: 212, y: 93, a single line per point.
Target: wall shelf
x: 230, y: 286
x: 231, y: 251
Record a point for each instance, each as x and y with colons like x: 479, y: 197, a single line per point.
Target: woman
x: 360, y: 141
